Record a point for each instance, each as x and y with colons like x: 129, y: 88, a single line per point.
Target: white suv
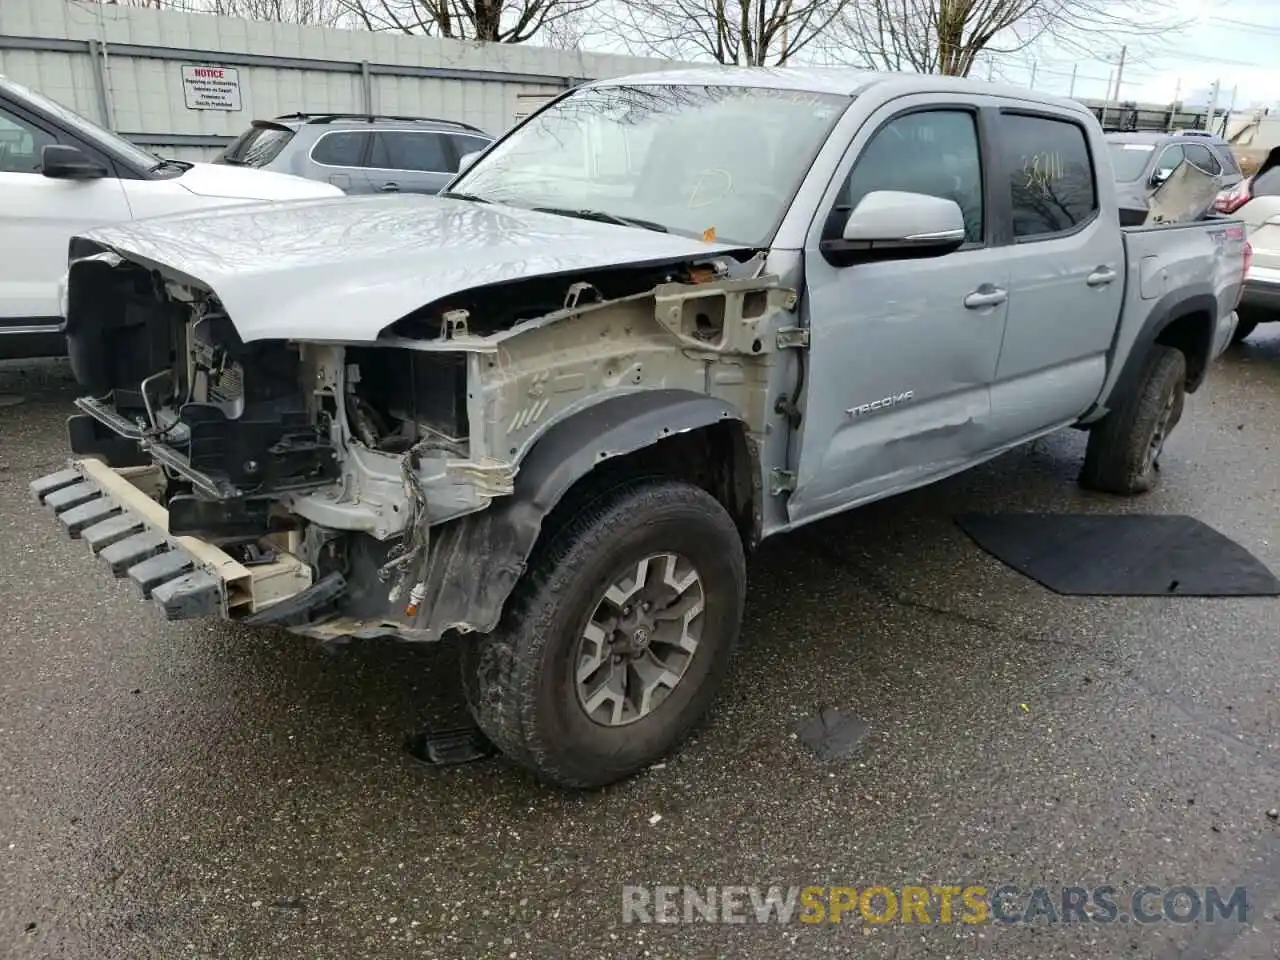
x: 1256, y: 201
x: 60, y: 174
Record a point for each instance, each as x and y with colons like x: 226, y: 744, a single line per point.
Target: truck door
x: 411, y: 161
x: 902, y: 351
x: 1066, y: 275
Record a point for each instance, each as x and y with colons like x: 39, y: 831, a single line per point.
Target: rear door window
x: 411, y: 150
x: 1226, y: 158
x: 1201, y: 157
x: 256, y: 147
x: 463, y: 145
x: 1050, y: 171
x: 342, y: 148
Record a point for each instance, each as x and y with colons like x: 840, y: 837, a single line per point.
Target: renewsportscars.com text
x: 933, y: 904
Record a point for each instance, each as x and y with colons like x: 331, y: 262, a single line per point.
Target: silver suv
x: 357, y: 152
x: 1142, y: 162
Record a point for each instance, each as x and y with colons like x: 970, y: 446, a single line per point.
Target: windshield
x: 1128, y: 160
x: 706, y: 161
x: 130, y: 152
x: 256, y: 147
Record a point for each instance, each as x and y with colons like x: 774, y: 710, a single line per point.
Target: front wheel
x: 1123, y: 453
x: 616, y: 639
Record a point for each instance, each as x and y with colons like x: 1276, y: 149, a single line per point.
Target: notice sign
x: 211, y: 88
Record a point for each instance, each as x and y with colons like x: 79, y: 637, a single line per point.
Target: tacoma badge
x: 885, y: 404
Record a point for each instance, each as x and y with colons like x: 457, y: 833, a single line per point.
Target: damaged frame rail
x: 112, y: 511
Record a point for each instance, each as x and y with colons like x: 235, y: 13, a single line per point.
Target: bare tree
x: 322, y: 12
x: 566, y: 33
x: 495, y: 21
x: 742, y: 32
x: 947, y: 36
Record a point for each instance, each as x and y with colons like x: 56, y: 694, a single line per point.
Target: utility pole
x: 1120, y: 71
x: 1032, y: 85
x: 1106, y: 104
x: 1071, y: 92
x: 1230, y: 110
x: 1213, y: 105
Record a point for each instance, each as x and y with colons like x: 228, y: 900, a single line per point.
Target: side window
x: 1168, y: 162
x: 1198, y: 155
x: 1051, y: 181
x: 1227, y: 159
x: 341, y: 149
x: 20, y: 144
x: 403, y: 150
x: 464, y: 144
x: 933, y: 152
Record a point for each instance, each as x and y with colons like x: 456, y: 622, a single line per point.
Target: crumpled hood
x: 244, y: 183
x: 345, y: 269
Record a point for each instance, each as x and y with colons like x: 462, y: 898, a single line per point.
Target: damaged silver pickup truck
x: 552, y: 409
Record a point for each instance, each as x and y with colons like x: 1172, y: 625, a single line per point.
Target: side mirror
x: 890, y: 224
x: 62, y: 162
x: 467, y: 159
x: 1160, y: 176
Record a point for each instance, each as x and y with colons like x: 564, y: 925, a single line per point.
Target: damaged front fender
x: 476, y: 560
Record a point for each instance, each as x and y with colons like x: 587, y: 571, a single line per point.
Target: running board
x: 185, y: 576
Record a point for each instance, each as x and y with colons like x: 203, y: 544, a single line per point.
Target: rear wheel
x: 1243, y: 329
x: 616, y: 639
x: 1124, y: 448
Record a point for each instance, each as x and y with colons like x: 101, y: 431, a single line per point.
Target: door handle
x: 986, y: 296
x: 1101, y: 277
x: 390, y: 188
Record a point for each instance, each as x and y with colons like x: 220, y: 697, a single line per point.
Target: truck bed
x: 1199, y: 264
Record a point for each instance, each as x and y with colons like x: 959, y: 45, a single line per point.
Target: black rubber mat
x: 1122, y: 555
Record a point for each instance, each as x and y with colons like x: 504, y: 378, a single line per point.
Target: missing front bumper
x: 186, y: 577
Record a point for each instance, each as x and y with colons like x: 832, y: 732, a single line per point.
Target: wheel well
x: 719, y: 458
x: 1192, y: 333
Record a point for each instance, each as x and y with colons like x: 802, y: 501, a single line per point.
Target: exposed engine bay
x: 354, y: 460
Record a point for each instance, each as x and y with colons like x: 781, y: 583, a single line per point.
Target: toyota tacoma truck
x: 549, y: 411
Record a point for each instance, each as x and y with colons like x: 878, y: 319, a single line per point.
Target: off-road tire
x: 1243, y: 329
x: 519, y: 679
x: 1116, y: 458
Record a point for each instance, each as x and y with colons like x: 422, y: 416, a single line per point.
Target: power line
x: 1246, y: 25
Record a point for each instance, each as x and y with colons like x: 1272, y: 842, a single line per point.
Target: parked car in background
x: 359, y: 153
x: 1143, y: 161
x: 61, y: 174
x: 1256, y: 201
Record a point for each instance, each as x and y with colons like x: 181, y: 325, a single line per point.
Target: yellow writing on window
x: 1042, y: 169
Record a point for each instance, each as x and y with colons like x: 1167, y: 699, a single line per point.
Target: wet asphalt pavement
x: 200, y: 791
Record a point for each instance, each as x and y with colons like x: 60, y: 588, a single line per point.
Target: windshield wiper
x: 604, y: 216
x: 463, y: 196
x: 180, y: 164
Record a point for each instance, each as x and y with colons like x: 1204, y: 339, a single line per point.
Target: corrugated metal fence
x: 131, y: 70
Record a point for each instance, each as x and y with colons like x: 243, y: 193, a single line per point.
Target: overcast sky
x: 1235, y: 41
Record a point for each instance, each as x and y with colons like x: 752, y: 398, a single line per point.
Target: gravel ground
x: 201, y: 791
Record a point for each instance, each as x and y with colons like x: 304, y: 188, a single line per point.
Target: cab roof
x: 841, y: 81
